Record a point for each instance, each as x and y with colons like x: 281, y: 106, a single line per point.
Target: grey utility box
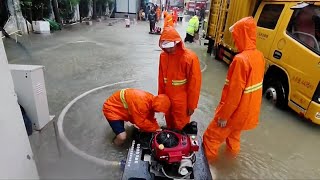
x: 32, y: 96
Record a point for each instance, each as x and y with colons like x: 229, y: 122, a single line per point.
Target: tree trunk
x: 56, y: 11
x: 94, y: 7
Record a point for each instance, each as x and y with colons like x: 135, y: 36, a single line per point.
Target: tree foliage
x: 35, y: 9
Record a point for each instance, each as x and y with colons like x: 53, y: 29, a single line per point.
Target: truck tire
x: 277, y: 93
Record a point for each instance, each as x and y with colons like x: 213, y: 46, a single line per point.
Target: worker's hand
x: 222, y: 123
x: 136, y: 126
x: 190, y: 112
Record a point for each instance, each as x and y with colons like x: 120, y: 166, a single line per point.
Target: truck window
x: 270, y: 15
x: 304, y: 27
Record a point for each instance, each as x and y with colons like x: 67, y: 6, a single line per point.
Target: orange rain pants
x: 180, y: 79
x: 242, y: 94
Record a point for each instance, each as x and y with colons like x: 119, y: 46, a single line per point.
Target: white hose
x: 171, y: 177
x: 204, y: 68
x: 69, y: 145
x: 188, y: 157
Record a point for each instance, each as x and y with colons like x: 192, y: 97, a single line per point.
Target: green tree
x: 35, y: 9
x: 66, y: 8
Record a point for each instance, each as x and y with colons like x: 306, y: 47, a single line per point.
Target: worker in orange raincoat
x: 179, y: 78
x: 168, y: 20
x: 135, y: 106
x: 241, y: 98
x: 175, y: 16
x: 158, y: 12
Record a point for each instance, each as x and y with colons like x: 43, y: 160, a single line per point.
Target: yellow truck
x: 288, y: 34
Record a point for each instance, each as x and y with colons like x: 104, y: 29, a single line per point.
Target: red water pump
x: 167, y: 155
x: 172, y: 147
x: 174, y: 153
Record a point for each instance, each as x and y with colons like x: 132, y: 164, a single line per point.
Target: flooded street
x: 81, y: 58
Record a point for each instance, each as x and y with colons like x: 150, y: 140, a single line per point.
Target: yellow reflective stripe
x: 179, y: 82
x: 253, y: 88
x: 165, y: 80
x: 169, y: 19
x: 123, y: 100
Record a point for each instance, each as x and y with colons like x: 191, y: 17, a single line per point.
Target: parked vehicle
x: 288, y: 34
x: 176, y: 4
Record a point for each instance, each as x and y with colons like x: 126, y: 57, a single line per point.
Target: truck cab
x: 289, y: 37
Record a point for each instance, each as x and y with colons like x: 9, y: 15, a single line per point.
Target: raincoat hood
x: 244, y: 34
x: 161, y: 103
x: 165, y: 13
x: 170, y: 34
x: 195, y: 17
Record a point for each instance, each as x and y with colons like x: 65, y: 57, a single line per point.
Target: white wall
x: 122, y: 6
x: 16, y: 157
x: 133, y: 6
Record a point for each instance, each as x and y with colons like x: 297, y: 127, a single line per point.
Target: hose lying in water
x: 70, y: 146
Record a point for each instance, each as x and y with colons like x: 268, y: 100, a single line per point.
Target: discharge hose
x: 70, y: 146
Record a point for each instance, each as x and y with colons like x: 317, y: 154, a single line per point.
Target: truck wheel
x: 277, y: 94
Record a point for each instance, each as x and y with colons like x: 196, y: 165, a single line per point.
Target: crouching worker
x: 136, y: 106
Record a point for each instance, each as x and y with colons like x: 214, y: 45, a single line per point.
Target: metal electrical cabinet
x: 32, y: 96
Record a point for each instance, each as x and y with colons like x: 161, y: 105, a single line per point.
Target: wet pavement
x: 83, y: 57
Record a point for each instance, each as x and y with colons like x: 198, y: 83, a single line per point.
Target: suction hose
x: 70, y: 146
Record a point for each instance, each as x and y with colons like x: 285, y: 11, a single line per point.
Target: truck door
x: 296, y: 49
x: 268, y: 18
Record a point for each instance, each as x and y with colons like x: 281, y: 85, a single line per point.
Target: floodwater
x: 80, y: 58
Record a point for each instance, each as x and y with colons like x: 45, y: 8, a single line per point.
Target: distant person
x: 147, y: 11
x: 168, y: 21
x: 175, y: 16
x: 152, y: 20
x: 192, y: 29
x: 202, y: 13
x: 143, y: 16
x: 140, y: 14
x: 135, y: 106
x: 158, y: 12
x: 240, y: 103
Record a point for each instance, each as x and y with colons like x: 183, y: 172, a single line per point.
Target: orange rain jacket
x: 158, y: 11
x: 242, y: 94
x: 179, y: 79
x: 168, y: 20
x: 137, y: 107
x: 175, y: 16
